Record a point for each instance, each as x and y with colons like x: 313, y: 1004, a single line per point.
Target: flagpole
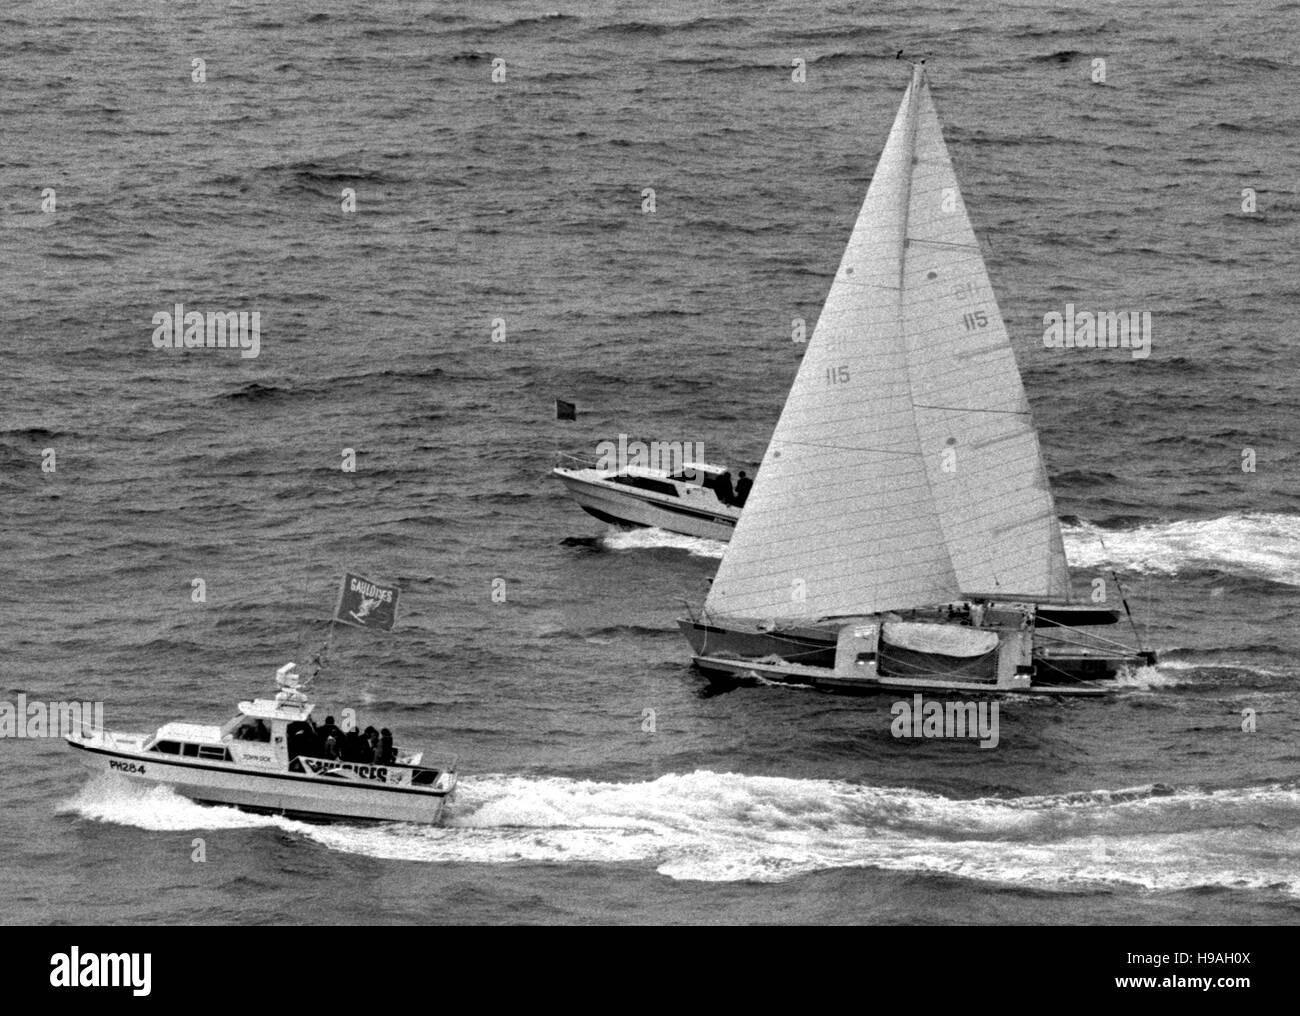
x: 323, y: 654
x: 563, y: 411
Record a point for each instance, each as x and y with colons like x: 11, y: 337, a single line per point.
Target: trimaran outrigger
x: 901, y: 533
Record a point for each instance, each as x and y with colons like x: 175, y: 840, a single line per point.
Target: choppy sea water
x: 521, y: 200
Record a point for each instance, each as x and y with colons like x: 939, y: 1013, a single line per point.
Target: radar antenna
x: 291, y: 684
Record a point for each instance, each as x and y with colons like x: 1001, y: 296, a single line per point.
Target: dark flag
x: 565, y: 410
x: 366, y: 604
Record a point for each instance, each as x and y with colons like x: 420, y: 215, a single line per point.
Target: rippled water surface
x: 520, y: 202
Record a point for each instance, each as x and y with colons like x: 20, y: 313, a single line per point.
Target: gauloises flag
x: 366, y: 604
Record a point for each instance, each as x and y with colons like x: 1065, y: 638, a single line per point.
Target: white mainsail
x: 904, y: 468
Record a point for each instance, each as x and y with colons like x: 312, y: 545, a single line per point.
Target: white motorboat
x: 682, y: 502
x: 271, y: 757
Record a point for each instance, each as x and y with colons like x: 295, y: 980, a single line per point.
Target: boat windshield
x: 645, y: 483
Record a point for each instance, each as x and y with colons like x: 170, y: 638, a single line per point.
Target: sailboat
x: 901, y: 532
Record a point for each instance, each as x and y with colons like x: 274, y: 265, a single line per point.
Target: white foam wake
x: 1147, y: 677
x: 709, y: 826
x: 111, y: 798
x: 1254, y: 545
x: 654, y: 539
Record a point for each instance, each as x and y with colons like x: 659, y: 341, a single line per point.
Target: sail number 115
x: 837, y: 375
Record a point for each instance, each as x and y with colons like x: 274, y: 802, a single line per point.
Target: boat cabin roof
x: 194, y: 733
x: 270, y: 709
x: 700, y: 469
x: 704, y: 467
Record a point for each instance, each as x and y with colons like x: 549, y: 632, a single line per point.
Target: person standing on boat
x: 722, y: 488
x: 331, y: 738
x: 742, y: 490
x: 386, y: 755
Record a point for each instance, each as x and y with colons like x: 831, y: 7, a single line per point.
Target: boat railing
x: 110, y: 740
x: 417, y: 760
x: 1077, y: 638
x: 441, y: 775
x: 564, y: 460
x: 434, y: 776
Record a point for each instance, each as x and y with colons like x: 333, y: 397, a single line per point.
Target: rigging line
x: 1122, y: 598
x: 1083, y: 639
x: 943, y: 243
x: 1147, y: 600
x: 964, y: 409
x: 849, y: 280
x: 851, y: 448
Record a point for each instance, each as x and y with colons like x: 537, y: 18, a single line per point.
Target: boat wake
x: 1146, y: 678
x: 659, y: 539
x: 1259, y: 545
x: 1211, y: 659
x: 112, y: 798
x: 724, y: 827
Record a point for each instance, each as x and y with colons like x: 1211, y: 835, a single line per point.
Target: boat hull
x: 808, y: 645
x: 825, y: 679
x: 626, y: 506
x: 815, y: 646
x: 272, y: 792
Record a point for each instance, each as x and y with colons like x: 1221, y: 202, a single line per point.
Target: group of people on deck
x: 735, y: 497
x: 329, y: 740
